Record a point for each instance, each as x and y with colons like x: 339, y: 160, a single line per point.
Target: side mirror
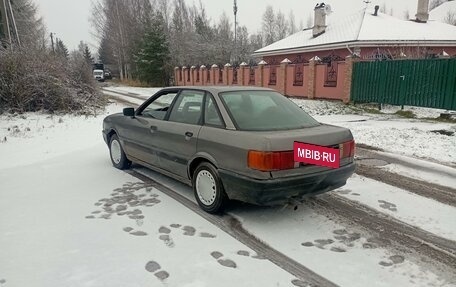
x: 129, y: 112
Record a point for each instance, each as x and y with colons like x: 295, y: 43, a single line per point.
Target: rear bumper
x: 280, y: 190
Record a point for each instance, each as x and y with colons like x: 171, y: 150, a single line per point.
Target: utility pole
x: 13, y: 20
x: 235, y: 10
x: 5, y: 21
x: 52, y: 42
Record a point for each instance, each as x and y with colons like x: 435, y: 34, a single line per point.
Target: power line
x: 9, y: 22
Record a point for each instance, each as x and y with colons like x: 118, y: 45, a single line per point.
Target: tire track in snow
x: 234, y: 227
x: 390, y: 229
x: 443, y: 194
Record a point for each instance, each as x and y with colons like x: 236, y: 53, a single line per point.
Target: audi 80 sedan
x: 232, y: 143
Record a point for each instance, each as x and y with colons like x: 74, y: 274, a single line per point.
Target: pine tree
x: 153, y: 54
x: 61, y: 50
x: 87, y: 55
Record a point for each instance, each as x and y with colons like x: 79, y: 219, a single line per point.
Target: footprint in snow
x: 388, y: 205
x: 165, y: 233
x: 165, y: 236
x: 247, y: 254
x: 125, y: 201
x: 224, y: 262
x: 135, y: 233
x: 394, y: 259
x: 154, y: 267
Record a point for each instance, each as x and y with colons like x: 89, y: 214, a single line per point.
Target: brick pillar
x: 242, y: 70
x: 226, y: 77
x: 261, y: 73
x: 184, y: 75
x: 203, y: 76
x: 192, y: 75
x: 349, y: 62
x: 312, y: 78
x: 282, y: 76
x: 213, y: 74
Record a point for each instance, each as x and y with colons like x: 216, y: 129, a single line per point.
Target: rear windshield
x: 265, y: 111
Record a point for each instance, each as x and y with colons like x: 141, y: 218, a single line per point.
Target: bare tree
x: 292, y: 23
x: 268, y: 26
x: 450, y: 18
x: 281, y: 26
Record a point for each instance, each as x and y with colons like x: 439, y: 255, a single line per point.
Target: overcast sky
x: 69, y: 19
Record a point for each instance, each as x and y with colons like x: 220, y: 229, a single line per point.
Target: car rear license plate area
x: 317, y: 155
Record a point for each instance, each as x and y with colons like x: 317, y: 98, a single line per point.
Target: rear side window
x: 211, y: 115
x: 265, y: 111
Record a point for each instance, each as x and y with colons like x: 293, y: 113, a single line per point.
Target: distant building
x: 368, y: 34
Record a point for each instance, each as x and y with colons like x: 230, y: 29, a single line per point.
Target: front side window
x: 158, y: 108
x: 188, y: 108
x: 265, y: 111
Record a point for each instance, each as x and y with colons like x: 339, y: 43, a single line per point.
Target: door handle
x: 188, y: 134
x: 153, y: 129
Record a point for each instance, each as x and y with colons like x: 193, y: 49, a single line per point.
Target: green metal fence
x: 425, y: 83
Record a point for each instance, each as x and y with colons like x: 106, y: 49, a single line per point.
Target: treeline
x: 35, y: 75
x: 146, y: 39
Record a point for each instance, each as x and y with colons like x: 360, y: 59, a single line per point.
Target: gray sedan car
x: 243, y: 143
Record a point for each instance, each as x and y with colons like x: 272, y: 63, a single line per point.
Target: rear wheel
x: 208, y: 188
x: 118, y: 157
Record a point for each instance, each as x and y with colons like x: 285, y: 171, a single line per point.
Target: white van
x: 99, y: 75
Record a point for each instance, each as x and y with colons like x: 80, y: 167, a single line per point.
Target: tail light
x: 268, y: 161
x: 347, y: 149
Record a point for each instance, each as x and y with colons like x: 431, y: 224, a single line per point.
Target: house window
x: 197, y: 75
x: 272, y: 75
x: 252, y: 76
x: 298, y: 75
x: 235, y: 75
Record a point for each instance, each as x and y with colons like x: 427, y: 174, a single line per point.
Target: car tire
x: 208, y: 188
x: 117, y: 154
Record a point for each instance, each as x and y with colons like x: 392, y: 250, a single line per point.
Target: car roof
x: 221, y: 89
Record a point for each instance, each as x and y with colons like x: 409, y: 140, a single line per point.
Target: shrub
x: 36, y: 80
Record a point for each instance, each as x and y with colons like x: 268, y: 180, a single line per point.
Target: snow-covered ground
x: 405, y: 206
x: 70, y: 219
x: 340, y: 253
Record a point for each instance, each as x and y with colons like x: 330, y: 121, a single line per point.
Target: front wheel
x: 208, y: 188
x: 118, y: 157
